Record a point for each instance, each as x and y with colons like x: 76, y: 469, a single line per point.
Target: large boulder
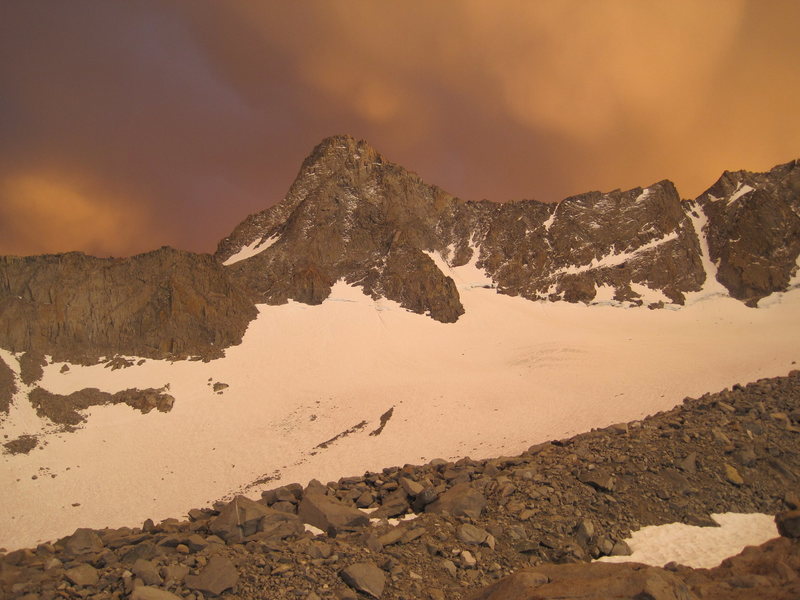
x: 83, y: 541
x: 219, y: 575
x: 242, y: 518
x: 461, y: 500
x: 365, y: 577
x: 329, y: 514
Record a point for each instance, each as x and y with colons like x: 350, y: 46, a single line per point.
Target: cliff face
x: 352, y: 215
x: 165, y: 303
x: 754, y: 230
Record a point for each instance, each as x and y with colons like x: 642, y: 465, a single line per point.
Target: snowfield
x: 510, y: 373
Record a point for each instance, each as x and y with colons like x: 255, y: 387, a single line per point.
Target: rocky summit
x: 352, y: 215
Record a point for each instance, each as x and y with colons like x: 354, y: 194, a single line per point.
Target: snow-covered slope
x: 508, y: 374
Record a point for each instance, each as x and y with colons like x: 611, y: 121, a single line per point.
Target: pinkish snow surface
x: 508, y: 374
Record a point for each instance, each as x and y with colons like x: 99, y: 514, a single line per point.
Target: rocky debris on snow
x: 21, y: 445
x: 118, y: 362
x: 64, y: 409
x: 533, y: 514
x: 31, y: 365
x: 219, y: 387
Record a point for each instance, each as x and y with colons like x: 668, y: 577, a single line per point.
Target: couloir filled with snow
x: 508, y: 374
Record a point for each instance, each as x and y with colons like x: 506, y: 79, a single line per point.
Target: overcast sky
x: 125, y: 126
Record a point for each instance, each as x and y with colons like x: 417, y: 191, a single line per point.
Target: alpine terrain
x: 376, y: 389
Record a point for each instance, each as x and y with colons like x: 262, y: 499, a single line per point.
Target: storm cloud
x: 126, y: 126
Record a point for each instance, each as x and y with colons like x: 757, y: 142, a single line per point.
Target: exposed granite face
x: 754, y: 230
x: 352, y: 215
x: 349, y: 215
x: 165, y: 303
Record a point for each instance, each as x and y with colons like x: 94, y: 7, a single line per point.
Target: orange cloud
x: 42, y: 213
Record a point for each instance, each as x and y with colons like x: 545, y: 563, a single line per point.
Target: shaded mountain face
x: 352, y: 215
x: 165, y: 303
x: 754, y: 230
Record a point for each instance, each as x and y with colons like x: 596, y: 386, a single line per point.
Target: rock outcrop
x: 165, y: 303
x: 754, y: 230
x: 354, y: 216
x: 8, y: 387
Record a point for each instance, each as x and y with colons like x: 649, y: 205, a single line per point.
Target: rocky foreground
x: 519, y: 527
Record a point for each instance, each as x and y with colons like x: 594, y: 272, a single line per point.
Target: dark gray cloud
x: 125, y: 126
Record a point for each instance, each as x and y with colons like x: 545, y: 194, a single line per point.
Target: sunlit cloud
x: 201, y: 112
x: 42, y: 213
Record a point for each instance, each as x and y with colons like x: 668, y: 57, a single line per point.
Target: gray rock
x: 83, y: 541
x: 147, y: 571
x: 469, y: 534
x: 174, y: 574
x: 82, y: 575
x: 788, y: 523
x: 144, y: 592
x: 218, y: 575
x: 365, y: 577
x: 411, y: 487
x: 329, y: 515
x: 242, y: 518
x: 461, y: 500
x: 600, y: 479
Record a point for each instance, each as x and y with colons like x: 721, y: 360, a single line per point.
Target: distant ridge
x: 352, y: 215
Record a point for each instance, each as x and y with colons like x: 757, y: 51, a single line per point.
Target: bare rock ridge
x: 754, y: 229
x: 352, y: 215
x: 166, y: 303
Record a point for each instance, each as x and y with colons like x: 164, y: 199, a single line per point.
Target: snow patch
x: 741, y: 190
x: 711, y: 287
x: 648, y: 295
x: 613, y: 259
x: 466, y: 277
x: 257, y: 246
x: 643, y: 196
x: 698, y: 547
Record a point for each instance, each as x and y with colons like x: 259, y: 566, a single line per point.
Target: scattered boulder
x: 365, y: 577
x: 83, y: 541
x: 145, y: 592
x: 461, y: 500
x: 83, y: 575
x: 788, y: 523
x: 146, y: 571
x: 219, y: 575
x: 600, y: 479
x: 242, y: 518
x: 330, y: 515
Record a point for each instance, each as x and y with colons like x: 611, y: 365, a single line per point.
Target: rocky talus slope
x: 353, y: 215
x: 519, y: 527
